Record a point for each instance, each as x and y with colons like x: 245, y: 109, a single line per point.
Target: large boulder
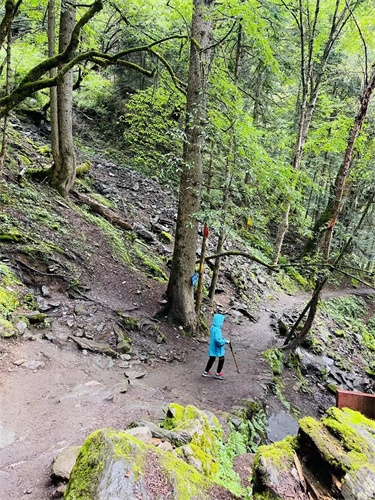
x: 113, y: 465
x: 330, y: 458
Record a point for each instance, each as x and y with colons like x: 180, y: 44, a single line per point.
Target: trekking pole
x: 234, y: 357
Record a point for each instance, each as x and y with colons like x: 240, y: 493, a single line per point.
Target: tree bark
x: 64, y: 169
x: 11, y: 9
x: 52, y: 73
x: 4, y: 144
x: 180, y: 290
x: 343, y: 173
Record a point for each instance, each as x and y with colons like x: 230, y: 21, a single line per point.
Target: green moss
x: 6, y: 328
x: 337, y: 439
x: 8, y: 294
x: 344, y: 424
x: 340, y: 333
x: 166, y: 237
x: 186, y: 480
x: 281, y: 454
x: 11, y: 236
x: 86, y: 475
x: 113, y: 234
x: 30, y: 302
x: 86, y: 472
x: 208, y: 465
x: 24, y: 158
x: 131, y: 323
x: 102, y: 200
x: 149, y: 261
x: 83, y: 169
x: 44, y: 150
x: 204, y: 432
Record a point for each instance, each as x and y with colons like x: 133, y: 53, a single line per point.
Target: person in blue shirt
x: 216, y: 349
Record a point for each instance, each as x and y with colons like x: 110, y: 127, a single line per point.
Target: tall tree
x: 53, y: 71
x: 4, y: 144
x: 64, y: 169
x: 314, y: 57
x: 333, y: 209
x: 180, y: 290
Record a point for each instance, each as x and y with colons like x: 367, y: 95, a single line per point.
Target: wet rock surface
x: 332, y: 458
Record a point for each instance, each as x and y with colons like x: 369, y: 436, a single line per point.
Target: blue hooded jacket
x: 217, y: 342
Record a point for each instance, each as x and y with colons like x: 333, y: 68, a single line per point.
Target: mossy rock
x: 273, y: 471
x: 345, y: 442
x: 203, y: 431
x: 130, y: 323
x: 166, y: 237
x: 83, y: 169
x: 124, y: 346
x: 113, y: 464
x: 7, y: 330
x: 44, y: 150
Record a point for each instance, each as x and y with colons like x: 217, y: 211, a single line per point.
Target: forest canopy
x: 283, y: 107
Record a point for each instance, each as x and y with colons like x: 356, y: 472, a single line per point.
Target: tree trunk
x: 4, y: 145
x: 53, y: 90
x: 215, y: 273
x: 11, y: 9
x: 221, y: 239
x: 199, y: 294
x: 346, y: 165
x: 334, y: 207
x: 180, y: 290
x: 64, y: 169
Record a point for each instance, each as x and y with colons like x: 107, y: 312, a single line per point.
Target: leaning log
x: 102, y: 210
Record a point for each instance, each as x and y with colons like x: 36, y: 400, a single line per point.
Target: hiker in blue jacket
x: 216, y: 349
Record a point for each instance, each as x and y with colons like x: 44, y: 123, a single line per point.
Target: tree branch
x: 238, y: 253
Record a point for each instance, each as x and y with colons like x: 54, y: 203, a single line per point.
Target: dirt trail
x: 57, y: 405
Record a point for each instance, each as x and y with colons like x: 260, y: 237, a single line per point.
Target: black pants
x: 211, y: 362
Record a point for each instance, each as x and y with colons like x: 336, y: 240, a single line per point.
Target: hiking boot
x: 219, y: 376
x: 206, y: 374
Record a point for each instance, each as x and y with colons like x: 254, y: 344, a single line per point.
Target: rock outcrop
x: 333, y: 458
x: 187, y: 457
x: 121, y: 464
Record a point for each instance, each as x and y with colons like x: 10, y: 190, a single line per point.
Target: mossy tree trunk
x: 52, y: 73
x: 180, y: 290
x: 11, y: 9
x: 4, y: 144
x: 63, y: 171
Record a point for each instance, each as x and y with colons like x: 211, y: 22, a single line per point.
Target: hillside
x: 86, y: 286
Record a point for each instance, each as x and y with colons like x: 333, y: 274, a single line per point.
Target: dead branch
x: 238, y: 253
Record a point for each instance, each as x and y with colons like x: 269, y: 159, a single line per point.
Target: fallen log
x: 102, y: 210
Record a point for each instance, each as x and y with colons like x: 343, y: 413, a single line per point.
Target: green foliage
x: 151, y: 262
x: 226, y: 476
x: 95, y: 90
x: 152, y: 137
x: 275, y: 359
x: 114, y: 235
x: 345, y: 308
